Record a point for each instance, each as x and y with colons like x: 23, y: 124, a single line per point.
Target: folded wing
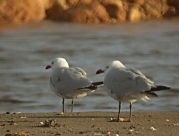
x: 70, y: 81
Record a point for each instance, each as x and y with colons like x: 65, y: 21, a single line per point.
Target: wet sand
x: 90, y: 123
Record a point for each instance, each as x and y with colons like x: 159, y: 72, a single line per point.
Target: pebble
x: 41, y: 123
x: 98, y: 134
x: 121, y: 119
x: 81, y: 132
x: 12, y: 123
x: 176, y: 124
x: 109, y: 133
x: 61, y: 113
x: 131, y: 131
x: 152, y: 128
x: 50, y: 123
x: 17, y: 112
x: 2, y: 124
x: 167, y: 120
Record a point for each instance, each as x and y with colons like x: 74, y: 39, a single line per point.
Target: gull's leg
x: 130, y: 115
x: 72, y: 103
x: 119, y: 110
x: 63, y: 104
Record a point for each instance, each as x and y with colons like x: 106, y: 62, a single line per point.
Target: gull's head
x: 113, y: 64
x: 58, y: 63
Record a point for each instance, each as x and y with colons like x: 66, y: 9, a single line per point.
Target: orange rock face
x: 86, y: 11
x: 81, y: 13
x: 115, y: 9
x: 111, y: 11
x: 135, y: 13
x: 90, y: 13
x: 18, y: 11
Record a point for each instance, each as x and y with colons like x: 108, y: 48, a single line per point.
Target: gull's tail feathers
x: 159, y: 88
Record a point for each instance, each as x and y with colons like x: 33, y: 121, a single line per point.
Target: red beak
x: 48, y: 66
x: 99, y: 71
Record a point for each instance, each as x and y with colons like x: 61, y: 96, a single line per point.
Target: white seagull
x: 69, y: 83
x: 127, y: 84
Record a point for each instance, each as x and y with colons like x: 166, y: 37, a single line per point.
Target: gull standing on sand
x: 127, y: 84
x: 69, y: 83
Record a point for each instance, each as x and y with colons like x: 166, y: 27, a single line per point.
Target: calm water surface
x: 152, y: 47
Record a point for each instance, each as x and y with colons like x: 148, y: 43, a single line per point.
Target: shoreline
x: 89, y: 123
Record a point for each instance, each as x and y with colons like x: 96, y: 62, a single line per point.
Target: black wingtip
x: 149, y: 93
x: 159, y: 87
x: 93, y: 86
x: 97, y: 83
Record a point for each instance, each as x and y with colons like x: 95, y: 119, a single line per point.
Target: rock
x: 169, y: 12
x: 50, y: 123
x: 78, y: 14
x: 84, y: 13
x: 19, y: 11
x: 135, y: 14
x: 72, y: 2
x: 115, y: 9
x: 53, y: 12
x: 151, y: 12
x: 175, y: 4
x: 100, y: 12
x: 139, y: 2
x: 75, y: 2
x: 61, y: 9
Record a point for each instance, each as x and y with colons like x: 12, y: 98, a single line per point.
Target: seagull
x: 69, y: 83
x: 127, y: 85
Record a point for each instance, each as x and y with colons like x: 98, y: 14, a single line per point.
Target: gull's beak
x: 48, y: 66
x: 99, y: 71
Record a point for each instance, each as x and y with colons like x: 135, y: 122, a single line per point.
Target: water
x: 152, y: 47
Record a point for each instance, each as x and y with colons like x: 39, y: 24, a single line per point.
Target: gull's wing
x: 69, y: 81
x: 123, y: 82
x: 142, y: 76
x: 80, y: 70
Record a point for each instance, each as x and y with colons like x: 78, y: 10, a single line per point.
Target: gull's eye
x: 107, y: 67
x: 52, y: 62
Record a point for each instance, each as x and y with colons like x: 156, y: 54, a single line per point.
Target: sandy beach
x: 89, y: 123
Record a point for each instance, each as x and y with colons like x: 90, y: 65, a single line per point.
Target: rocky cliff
x: 87, y: 11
